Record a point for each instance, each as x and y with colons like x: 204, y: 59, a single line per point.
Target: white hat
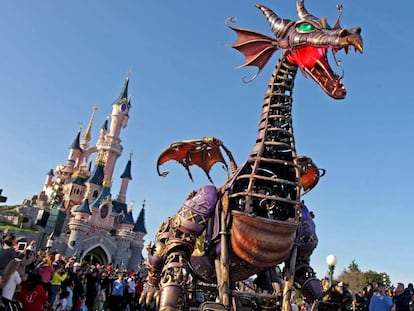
x: 31, y: 248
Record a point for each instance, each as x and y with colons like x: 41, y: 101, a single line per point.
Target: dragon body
x: 256, y: 220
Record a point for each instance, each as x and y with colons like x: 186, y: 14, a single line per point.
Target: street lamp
x: 331, y: 261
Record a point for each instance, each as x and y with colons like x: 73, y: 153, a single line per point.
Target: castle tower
x: 125, y: 239
x: 126, y: 177
x: 140, y: 231
x: 75, y: 152
x: 111, y: 148
x: 79, y: 227
x: 102, y: 134
x: 49, y: 179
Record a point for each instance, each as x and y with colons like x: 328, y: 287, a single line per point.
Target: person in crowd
x: 361, y: 300
x: 7, y: 252
x: 11, y: 279
x: 58, y: 277
x: 401, y: 298
x: 27, y: 265
x: 92, y: 282
x: 33, y: 296
x: 67, y: 285
x: 380, y: 301
x: 116, y: 298
x: 100, y: 299
x: 138, y: 290
x: 45, y: 270
x: 75, y: 276
x: 130, y: 292
x: 293, y: 305
x: 106, y: 286
x: 80, y: 304
x: 32, y: 246
x: 62, y: 304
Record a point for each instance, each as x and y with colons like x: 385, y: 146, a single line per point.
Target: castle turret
x: 126, y: 177
x: 49, y: 179
x: 102, y: 134
x: 75, y: 151
x: 95, y: 181
x: 120, y: 111
x: 111, y: 147
x: 138, y: 244
x: 139, y: 226
x: 79, y: 227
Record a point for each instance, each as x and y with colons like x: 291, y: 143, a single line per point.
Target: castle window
x: 72, y: 243
x: 95, y: 194
x: 104, y: 210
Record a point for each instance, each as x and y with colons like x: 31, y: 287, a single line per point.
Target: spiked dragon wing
x: 256, y: 47
x: 203, y: 152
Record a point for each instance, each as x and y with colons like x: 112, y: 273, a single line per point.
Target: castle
x: 76, y: 211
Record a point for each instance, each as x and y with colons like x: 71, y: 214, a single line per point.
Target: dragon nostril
x: 343, y: 32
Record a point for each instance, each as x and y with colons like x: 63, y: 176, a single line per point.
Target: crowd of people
x: 378, y: 297
x: 33, y: 279
x: 39, y: 280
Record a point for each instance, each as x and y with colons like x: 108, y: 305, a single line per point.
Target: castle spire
x: 140, y: 223
x: 86, y: 138
x: 126, y: 177
x: 75, y: 150
x: 123, y: 96
x: 119, y: 118
x: 76, y: 142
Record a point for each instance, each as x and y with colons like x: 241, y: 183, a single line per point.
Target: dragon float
x: 257, y: 220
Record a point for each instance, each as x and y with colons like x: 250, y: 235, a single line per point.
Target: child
x: 100, y: 299
x: 63, y: 301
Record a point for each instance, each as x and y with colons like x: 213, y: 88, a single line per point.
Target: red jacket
x: 32, y: 300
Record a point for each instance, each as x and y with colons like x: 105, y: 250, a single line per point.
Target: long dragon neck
x: 267, y: 185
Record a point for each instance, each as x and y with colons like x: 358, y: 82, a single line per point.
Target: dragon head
x: 306, y: 42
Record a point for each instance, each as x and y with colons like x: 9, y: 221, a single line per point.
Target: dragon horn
x: 277, y: 24
x: 302, y: 12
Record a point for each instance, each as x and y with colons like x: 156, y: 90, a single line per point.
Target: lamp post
x: 331, y: 261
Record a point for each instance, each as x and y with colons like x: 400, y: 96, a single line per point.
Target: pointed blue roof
x: 98, y: 175
x: 127, y: 171
x: 84, y: 207
x: 128, y: 219
x: 76, y: 142
x: 123, y: 97
x: 105, y: 193
x: 79, y: 180
x: 105, y: 125
x: 140, y: 224
x: 118, y: 207
x: 50, y: 173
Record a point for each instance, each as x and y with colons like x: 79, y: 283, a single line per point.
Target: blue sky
x: 59, y: 58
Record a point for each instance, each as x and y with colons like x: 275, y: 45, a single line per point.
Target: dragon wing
x: 256, y: 47
x: 309, y: 172
x: 203, y: 152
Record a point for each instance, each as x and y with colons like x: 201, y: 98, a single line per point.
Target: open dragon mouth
x: 314, y: 62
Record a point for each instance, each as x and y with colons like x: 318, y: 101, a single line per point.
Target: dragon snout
x: 351, y: 37
x: 354, y: 38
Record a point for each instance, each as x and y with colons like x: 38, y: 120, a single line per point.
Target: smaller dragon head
x: 306, y: 43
